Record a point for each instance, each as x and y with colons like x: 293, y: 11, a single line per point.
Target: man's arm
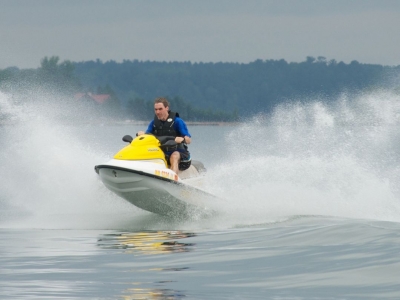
x: 185, y: 139
x: 183, y: 131
x: 148, y: 130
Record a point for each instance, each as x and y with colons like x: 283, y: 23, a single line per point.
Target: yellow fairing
x: 143, y: 147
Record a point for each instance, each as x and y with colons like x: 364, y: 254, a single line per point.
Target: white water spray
x: 48, y: 178
x: 339, y: 160
x: 315, y: 159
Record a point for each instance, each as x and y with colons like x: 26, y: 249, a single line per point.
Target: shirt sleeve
x: 181, y: 128
x: 150, y: 127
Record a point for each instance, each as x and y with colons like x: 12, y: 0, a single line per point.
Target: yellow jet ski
x: 139, y: 174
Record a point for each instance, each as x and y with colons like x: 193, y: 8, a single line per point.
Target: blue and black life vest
x: 165, y: 128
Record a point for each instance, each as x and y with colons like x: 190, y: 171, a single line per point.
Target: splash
x: 339, y: 159
x: 47, y: 172
x: 306, y: 158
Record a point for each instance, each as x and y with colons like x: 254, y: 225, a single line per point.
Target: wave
x: 315, y: 158
x: 307, y: 158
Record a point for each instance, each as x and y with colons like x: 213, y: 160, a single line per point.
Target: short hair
x: 162, y: 100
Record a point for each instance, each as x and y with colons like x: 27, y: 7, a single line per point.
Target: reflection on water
x: 150, y: 243
x: 135, y: 294
x: 147, y: 242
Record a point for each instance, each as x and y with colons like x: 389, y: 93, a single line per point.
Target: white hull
x: 153, y: 187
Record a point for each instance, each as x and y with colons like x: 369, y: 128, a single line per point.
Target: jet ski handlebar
x: 163, y: 139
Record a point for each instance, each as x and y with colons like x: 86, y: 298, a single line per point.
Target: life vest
x: 165, y: 128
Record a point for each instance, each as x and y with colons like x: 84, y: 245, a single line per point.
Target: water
x: 309, y: 209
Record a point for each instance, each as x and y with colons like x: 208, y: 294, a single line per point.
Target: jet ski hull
x: 156, y: 194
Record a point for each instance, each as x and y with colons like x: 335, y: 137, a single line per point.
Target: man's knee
x: 175, y: 156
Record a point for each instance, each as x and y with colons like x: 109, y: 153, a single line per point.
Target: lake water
x: 309, y: 209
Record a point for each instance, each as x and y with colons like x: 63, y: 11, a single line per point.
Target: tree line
x: 200, y: 91
x: 247, y: 88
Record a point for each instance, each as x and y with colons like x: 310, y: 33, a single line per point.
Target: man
x: 168, y: 123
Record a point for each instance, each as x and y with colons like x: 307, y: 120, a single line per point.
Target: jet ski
x: 139, y: 173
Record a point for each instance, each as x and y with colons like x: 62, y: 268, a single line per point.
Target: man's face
x: 161, y: 111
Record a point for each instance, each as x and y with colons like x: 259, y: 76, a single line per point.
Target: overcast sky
x: 199, y: 30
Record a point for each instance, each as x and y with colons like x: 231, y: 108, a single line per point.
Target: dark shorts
x: 184, y: 162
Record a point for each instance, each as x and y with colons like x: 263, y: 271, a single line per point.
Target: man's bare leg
x: 174, y: 160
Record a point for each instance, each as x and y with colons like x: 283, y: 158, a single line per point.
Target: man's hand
x: 179, y: 139
x: 140, y: 133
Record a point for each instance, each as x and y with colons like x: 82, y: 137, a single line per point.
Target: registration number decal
x: 166, y: 174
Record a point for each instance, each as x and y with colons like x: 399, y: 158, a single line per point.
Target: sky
x: 199, y: 30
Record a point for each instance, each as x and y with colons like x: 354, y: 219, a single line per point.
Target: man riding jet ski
x: 155, y: 171
x: 168, y: 123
